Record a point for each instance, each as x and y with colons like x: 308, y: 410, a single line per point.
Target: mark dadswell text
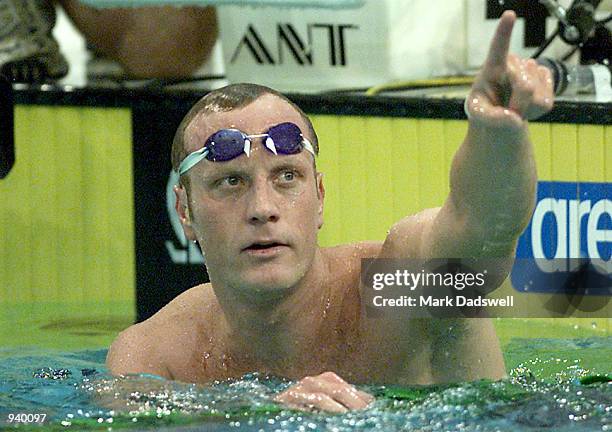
x: 447, y: 301
x: 461, y: 301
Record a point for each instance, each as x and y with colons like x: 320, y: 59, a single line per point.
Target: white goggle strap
x: 309, y: 147
x: 270, y: 145
x: 191, y: 160
x: 247, y: 147
x: 247, y: 142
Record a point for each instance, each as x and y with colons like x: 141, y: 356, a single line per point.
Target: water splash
x: 544, y: 392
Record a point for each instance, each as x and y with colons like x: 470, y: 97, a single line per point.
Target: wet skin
x: 293, y: 309
x: 279, y: 304
x: 256, y: 217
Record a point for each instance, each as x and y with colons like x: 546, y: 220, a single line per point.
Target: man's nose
x: 262, y: 206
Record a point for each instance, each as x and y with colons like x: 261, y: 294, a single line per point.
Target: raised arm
x: 493, y: 174
x: 492, y: 194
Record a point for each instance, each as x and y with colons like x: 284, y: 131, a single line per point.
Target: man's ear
x: 182, y: 209
x: 321, y: 197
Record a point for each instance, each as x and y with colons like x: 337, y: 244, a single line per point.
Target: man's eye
x: 288, y: 176
x: 229, y: 181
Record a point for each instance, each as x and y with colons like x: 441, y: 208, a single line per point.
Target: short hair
x: 226, y: 99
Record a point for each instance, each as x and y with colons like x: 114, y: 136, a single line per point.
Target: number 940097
x: 26, y: 418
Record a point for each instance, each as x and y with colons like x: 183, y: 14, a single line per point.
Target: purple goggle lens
x: 225, y: 145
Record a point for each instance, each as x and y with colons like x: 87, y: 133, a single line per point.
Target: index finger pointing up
x: 500, y: 45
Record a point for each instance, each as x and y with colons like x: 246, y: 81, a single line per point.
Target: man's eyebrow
x: 289, y: 164
x: 210, y: 173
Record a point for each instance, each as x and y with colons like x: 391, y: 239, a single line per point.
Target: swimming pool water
x: 542, y: 393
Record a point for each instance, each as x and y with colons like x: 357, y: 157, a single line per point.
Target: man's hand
x: 326, y: 392
x: 508, y: 89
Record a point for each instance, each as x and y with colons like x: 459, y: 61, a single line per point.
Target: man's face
x: 256, y: 218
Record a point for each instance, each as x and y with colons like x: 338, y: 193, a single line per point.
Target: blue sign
x: 567, y: 246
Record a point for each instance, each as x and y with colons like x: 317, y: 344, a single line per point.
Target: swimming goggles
x: 227, y: 144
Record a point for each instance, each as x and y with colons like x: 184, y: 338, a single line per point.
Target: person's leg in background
x: 152, y: 42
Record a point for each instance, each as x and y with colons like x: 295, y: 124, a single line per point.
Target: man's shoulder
x: 133, y: 351
x: 343, y: 263
x: 144, y: 347
x: 188, y: 306
x: 184, y: 315
x: 352, y: 251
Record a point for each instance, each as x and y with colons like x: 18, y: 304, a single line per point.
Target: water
x: 542, y: 393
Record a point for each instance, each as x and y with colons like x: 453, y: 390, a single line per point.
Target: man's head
x: 256, y: 217
x: 226, y: 99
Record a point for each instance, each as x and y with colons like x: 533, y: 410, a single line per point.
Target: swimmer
x: 279, y: 304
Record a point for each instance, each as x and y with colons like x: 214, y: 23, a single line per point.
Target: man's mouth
x: 263, y: 245
x: 264, y: 248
